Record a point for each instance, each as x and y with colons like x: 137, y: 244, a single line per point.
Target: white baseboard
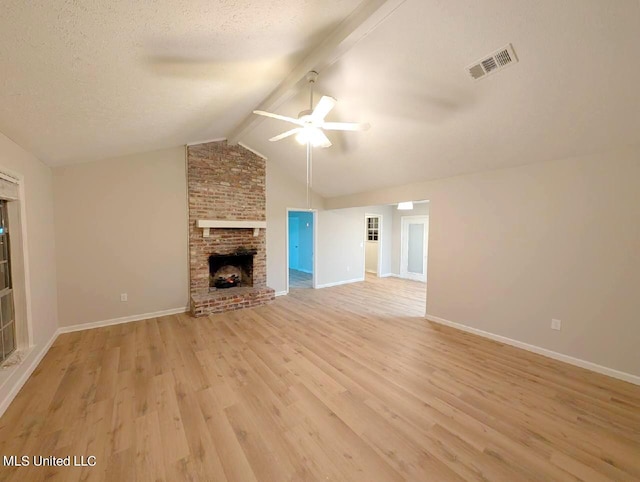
x: 33, y: 358
x: 389, y: 275
x: 627, y: 377
x: 282, y: 293
x: 338, y: 283
x: 117, y: 321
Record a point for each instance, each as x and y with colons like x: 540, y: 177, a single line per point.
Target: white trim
x: 117, y: 321
x: 7, y: 176
x: 18, y: 178
x: 627, y: 377
x: 338, y: 283
x: 389, y: 275
x: 19, y: 383
x: 259, y: 154
x: 224, y: 223
x: 25, y: 260
x: 208, y: 224
x: 217, y: 139
x: 282, y: 293
x: 316, y: 228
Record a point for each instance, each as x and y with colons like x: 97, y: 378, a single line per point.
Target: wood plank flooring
x: 300, y: 279
x: 346, y: 384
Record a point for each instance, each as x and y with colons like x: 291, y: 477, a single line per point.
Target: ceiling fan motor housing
x: 311, y: 76
x: 306, y: 116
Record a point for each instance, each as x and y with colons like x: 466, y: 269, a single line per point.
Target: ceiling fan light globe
x: 302, y: 137
x: 313, y: 135
x: 316, y: 137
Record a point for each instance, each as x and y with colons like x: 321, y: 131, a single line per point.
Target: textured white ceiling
x: 574, y: 91
x: 90, y: 80
x: 84, y: 80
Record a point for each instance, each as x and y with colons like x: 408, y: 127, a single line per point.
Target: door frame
x: 314, y: 276
x: 404, y: 222
x: 20, y: 269
x: 364, y: 245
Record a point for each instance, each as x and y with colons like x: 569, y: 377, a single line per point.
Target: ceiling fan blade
x: 286, y: 134
x: 321, y: 140
x: 323, y: 108
x: 345, y: 126
x: 279, y: 117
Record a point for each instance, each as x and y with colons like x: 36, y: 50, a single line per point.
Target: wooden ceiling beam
x: 362, y: 21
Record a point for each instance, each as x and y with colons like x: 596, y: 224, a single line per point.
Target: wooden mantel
x: 208, y: 224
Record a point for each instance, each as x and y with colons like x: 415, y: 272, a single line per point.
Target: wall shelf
x: 208, y: 224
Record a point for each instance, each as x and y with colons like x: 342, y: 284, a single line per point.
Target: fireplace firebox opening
x: 231, y: 270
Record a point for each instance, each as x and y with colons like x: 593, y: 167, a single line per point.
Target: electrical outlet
x: 348, y: 268
x: 124, y: 297
x: 556, y: 324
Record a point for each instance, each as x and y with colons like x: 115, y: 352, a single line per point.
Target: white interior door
x: 372, y: 237
x: 415, y: 236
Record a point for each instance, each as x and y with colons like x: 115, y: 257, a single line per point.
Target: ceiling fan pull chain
x: 308, y: 174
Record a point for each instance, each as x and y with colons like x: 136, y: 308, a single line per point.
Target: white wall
x: 341, y: 238
x: 340, y: 233
x: 282, y: 192
x: 421, y: 209
x: 121, y: 227
x: 41, y: 256
x: 511, y: 249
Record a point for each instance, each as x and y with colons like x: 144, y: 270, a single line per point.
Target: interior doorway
x: 414, y: 247
x: 301, y: 240
x: 372, y: 244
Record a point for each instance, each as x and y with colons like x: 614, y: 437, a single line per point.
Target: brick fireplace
x: 227, y: 265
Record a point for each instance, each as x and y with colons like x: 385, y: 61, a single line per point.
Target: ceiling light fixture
x: 312, y: 135
x: 405, y: 206
x: 311, y: 126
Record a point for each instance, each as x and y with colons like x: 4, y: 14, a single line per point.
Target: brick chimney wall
x: 225, y: 183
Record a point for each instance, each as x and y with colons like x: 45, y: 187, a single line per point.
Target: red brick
x: 225, y: 182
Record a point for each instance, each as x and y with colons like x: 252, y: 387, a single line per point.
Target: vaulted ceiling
x: 84, y: 82
x: 81, y: 81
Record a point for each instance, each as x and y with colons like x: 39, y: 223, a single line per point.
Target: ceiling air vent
x: 498, y: 60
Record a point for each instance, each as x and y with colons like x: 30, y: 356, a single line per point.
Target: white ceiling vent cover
x: 495, y: 62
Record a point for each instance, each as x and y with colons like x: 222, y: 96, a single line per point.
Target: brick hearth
x: 225, y: 183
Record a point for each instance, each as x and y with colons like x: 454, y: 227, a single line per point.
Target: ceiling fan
x: 310, y: 123
x: 311, y: 126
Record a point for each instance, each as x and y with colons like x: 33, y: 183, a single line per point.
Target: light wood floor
x: 346, y: 384
x: 299, y: 279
